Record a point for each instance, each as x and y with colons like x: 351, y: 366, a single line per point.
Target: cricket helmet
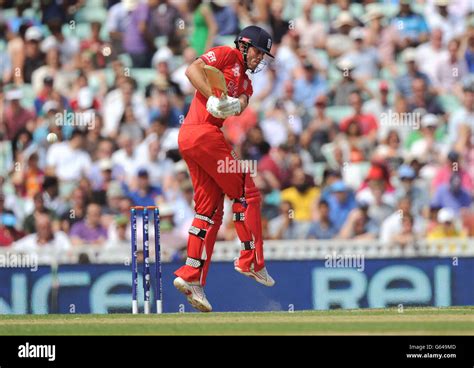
x: 256, y: 37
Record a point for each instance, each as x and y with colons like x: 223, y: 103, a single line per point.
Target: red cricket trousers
x: 204, y: 149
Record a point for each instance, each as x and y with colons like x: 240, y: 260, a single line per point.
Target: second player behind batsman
x: 203, y: 146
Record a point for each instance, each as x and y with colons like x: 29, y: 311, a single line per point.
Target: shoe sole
x: 188, y: 294
x: 253, y: 276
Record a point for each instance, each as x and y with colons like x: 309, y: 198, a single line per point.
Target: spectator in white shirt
x: 428, y: 54
x: 103, y: 162
x: 439, y: 15
x: 179, y: 75
x: 125, y: 156
x: 380, y: 105
x: 286, y: 60
x: 312, y: 33
x: 115, y: 103
x: 67, y: 160
x: 148, y: 158
x: 377, y: 190
x: 463, y: 115
x: 339, y: 42
x: 450, y: 70
x: 45, y: 242
x: 52, y: 200
x: 68, y: 47
x: 393, y: 225
x: 365, y: 59
x: 117, y: 21
x: 427, y: 146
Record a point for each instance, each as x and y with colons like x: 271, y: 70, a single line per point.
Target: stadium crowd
x: 362, y: 127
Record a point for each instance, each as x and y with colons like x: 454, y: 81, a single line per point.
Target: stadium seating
x: 143, y: 76
x: 28, y: 95
x: 357, y: 10
x: 126, y: 60
x: 337, y: 113
x: 388, y: 9
x: 79, y: 30
x: 293, y: 9
x: 450, y: 103
x: 373, y: 86
x: 91, y: 14
x: 322, y: 57
x: 94, y: 3
x: 109, y: 76
x: 161, y: 41
x: 318, y: 170
x: 320, y: 13
x: 9, y: 13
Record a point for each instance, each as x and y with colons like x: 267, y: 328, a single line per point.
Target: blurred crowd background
x: 362, y: 126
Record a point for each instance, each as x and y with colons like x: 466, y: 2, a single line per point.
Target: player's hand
x: 214, y: 105
x: 231, y: 106
x: 223, y: 108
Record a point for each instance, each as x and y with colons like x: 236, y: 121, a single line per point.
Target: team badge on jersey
x: 211, y: 57
x: 236, y: 70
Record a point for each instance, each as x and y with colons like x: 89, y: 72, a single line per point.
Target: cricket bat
x: 216, y: 81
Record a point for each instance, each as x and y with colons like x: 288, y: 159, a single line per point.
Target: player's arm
x: 221, y: 108
x: 244, y: 101
x: 197, y: 77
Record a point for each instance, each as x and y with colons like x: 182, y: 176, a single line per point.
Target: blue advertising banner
x: 300, y: 285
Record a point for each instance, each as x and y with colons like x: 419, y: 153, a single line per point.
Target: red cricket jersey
x: 231, y: 62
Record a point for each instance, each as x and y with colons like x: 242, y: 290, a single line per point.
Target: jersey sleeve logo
x: 211, y: 57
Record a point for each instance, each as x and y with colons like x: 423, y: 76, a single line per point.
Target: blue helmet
x: 256, y: 37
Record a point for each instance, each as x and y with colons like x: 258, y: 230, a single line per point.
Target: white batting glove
x: 223, y: 108
x: 230, y: 107
x: 213, y: 106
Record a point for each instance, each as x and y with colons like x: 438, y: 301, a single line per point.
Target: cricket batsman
x: 203, y: 146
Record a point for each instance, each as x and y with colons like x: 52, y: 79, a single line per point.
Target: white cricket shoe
x: 261, y: 276
x: 194, y: 292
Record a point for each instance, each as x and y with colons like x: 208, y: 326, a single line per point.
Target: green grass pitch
x: 412, y: 321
